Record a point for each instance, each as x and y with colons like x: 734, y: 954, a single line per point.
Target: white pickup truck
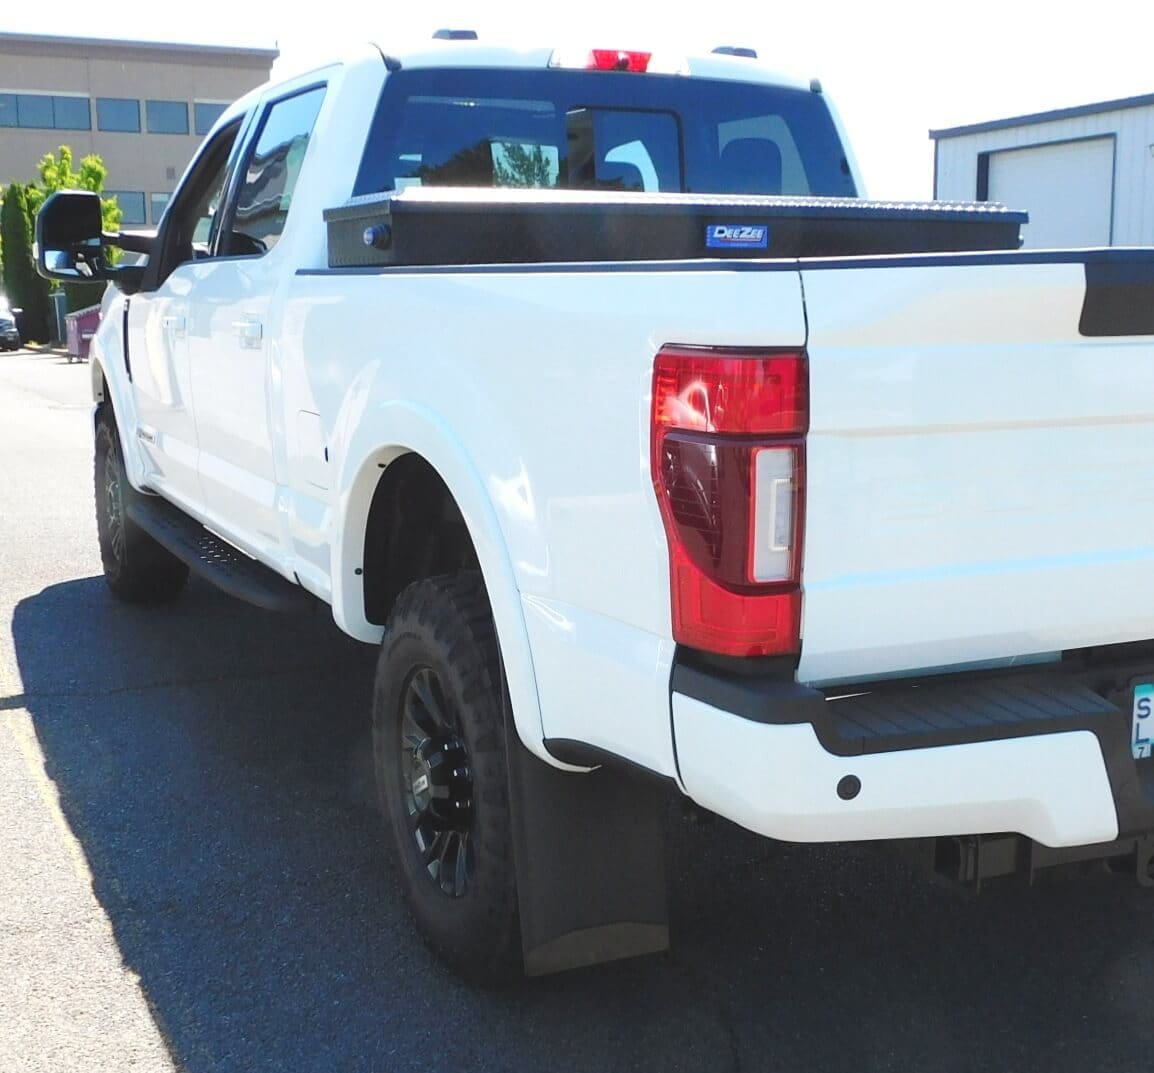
x: 588, y: 387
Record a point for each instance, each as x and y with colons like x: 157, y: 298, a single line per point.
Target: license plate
x: 1143, y: 736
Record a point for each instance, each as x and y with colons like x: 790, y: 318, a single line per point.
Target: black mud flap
x: 589, y: 852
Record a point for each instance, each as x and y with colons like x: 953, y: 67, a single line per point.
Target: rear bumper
x: 1046, y: 755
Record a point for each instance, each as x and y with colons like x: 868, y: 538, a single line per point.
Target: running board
x: 213, y: 558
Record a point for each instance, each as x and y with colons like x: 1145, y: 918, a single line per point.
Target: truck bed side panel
x: 541, y: 380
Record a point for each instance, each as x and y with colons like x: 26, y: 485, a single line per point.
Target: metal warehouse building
x: 1085, y: 175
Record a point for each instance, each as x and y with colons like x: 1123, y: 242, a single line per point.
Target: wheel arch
x: 421, y: 443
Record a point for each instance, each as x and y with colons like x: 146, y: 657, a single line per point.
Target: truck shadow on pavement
x: 213, y: 761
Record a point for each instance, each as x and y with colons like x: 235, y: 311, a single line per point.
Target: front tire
x: 136, y: 568
x: 439, y: 750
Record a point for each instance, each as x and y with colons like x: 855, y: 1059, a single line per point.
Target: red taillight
x: 728, y: 463
x: 613, y: 59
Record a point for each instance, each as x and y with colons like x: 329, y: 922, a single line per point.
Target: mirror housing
x: 71, y: 244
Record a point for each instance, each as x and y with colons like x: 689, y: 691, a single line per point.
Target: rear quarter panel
x: 537, y: 381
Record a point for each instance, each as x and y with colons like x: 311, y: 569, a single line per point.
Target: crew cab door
x: 158, y: 328
x: 232, y: 309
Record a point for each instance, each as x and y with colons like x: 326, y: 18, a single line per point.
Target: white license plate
x: 1143, y: 736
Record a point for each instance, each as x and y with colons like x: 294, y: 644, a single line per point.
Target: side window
x: 191, y: 217
x: 265, y: 196
x: 198, y: 213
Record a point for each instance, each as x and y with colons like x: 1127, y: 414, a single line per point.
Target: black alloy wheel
x: 436, y: 782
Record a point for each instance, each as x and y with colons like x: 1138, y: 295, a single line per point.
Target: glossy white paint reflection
x: 779, y: 781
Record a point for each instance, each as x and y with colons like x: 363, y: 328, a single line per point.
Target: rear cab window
x: 599, y: 130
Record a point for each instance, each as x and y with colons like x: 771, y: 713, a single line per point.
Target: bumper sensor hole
x: 848, y: 787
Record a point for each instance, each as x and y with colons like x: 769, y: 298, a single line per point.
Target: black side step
x: 215, y: 559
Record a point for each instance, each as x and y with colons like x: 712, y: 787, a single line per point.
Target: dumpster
x: 79, y: 328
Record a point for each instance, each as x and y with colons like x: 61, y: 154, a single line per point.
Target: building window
x: 206, y: 114
x: 33, y: 110
x: 42, y: 111
x: 157, y: 203
x: 166, y: 117
x: 118, y: 113
x: 131, y: 204
x: 71, y: 113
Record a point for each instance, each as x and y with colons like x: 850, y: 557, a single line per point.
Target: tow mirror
x: 70, y: 244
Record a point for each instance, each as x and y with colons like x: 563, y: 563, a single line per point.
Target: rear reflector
x: 729, y: 470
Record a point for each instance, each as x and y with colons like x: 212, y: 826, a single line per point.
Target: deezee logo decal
x: 745, y: 236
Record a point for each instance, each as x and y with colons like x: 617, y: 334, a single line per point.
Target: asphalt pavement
x: 192, y: 874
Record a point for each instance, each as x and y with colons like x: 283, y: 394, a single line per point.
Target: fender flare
x: 364, y: 457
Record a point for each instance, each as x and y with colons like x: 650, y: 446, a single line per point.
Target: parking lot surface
x: 192, y: 875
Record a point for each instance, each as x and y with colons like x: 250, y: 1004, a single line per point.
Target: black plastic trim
x: 1117, y: 255
x: 124, y: 340
x: 582, y: 754
x: 982, y: 193
x: 1119, y: 298
x: 785, y: 265
x: 759, y: 698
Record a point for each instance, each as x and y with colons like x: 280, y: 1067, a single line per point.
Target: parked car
x: 9, y: 333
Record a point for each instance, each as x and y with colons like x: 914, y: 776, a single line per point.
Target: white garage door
x: 1067, y: 188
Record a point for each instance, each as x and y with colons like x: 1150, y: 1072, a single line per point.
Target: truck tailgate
x: 980, y: 474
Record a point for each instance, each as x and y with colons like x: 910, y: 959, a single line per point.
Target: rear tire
x: 439, y: 750
x: 136, y: 568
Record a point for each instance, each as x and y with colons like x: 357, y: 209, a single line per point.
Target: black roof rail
x: 736, y: 50
x: 455, y: 35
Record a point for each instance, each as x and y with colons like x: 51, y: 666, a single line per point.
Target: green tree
x: 57, y: 173
x: 24, y: 288
x: 523, y: 166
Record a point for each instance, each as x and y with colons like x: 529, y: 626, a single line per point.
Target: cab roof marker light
x: 736, y: 50
x: 455, y: 35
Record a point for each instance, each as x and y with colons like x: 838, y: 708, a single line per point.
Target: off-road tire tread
x: 450, y: 617
x: 148, y: 572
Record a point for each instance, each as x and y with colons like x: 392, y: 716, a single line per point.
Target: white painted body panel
x: 165, y: 429
x: 779, y: 781
x: 231, y: 298
x: 532, y: 402
x: 980, y: 476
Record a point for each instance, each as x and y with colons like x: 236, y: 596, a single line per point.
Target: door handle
x: 249, y: 331
x: 174, y: 326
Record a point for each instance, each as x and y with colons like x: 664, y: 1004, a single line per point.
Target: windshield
x: 595, y: 130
